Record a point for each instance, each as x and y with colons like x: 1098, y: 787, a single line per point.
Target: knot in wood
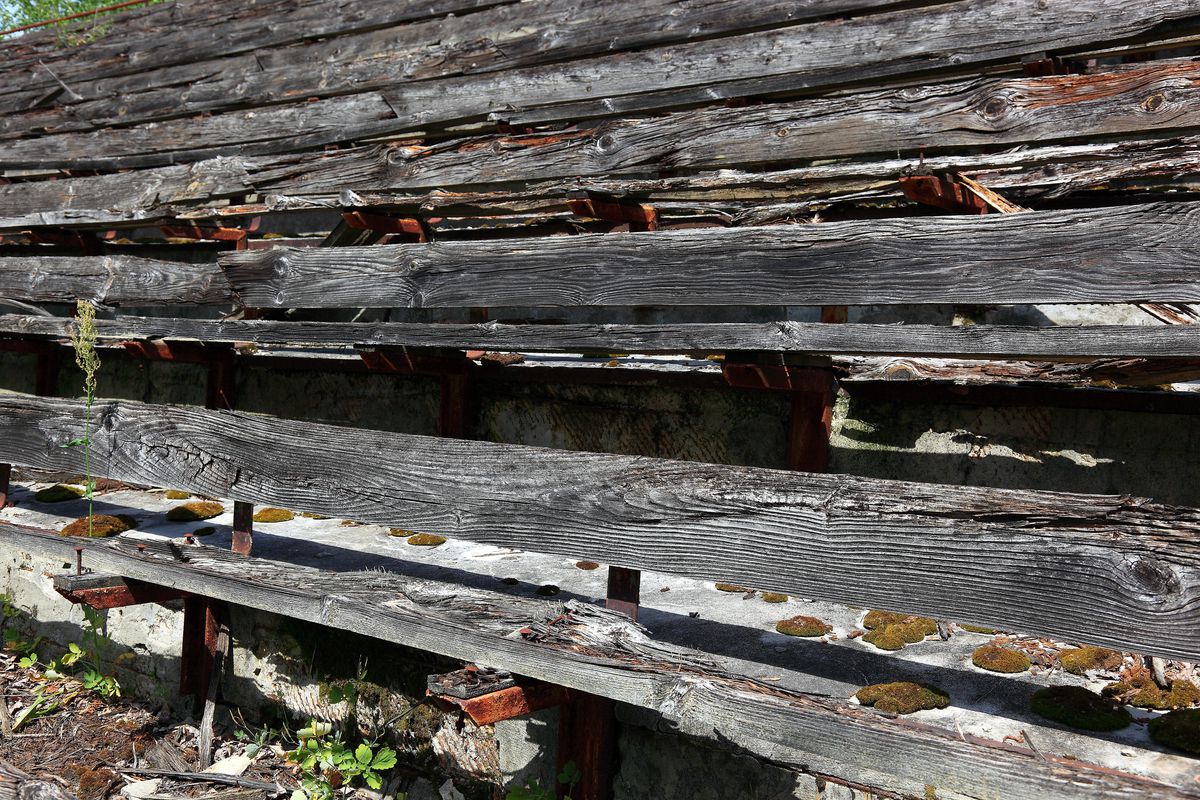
x: 994, y: 108
x: 606, y: 143
x: 1153, y: 102
x: 1155, y: 577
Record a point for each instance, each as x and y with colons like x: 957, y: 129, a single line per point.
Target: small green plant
x: 533, y: 789
x: 83, y: 340
x: 80, y: 664
x: 327, y: 763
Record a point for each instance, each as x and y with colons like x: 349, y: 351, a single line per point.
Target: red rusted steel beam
x: 199, y: 652
x: 409, y: 361
x: 76, y: 240
x: 508, y: 703
x: 811, y: 423
x: 402, y: 229
x: 5, y: 484
x: 243, y: 528
x: 624, y: 591
x: 595, y: 205
x: 587, y: 736
x: 191, y: 230
x: 942, y: 192
x: 110, y: 591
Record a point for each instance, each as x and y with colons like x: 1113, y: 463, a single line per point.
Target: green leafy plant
x: 19, y: 13
x: 83, y: 340
x: 327, y: 763
x: 533, y: 789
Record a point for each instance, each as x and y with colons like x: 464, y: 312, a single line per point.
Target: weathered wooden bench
x: 1117, y: 571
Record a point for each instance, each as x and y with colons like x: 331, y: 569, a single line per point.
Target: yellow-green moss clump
x: 891, y: 631
x: 103, y: 525
x: 311, y: 515
x: 588, y: 565
x: 803, y: 626
x: 177, y: 494
x: 995, y: 658
x: 730, y: 587
x: 1143, y: 692
x: 194, y: 511
x: 773, y: 597
x: 976, y: 629
x: 1076, y: 707
x: 273, y: 515
x: 902, y: 697
x: 426, y: 540
x: 1178, y: 729
x: 1081, y: 659
x: 58, y: 493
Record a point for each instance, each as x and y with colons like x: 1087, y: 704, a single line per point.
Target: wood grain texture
x: 1116, y: 255
x: 792, y: 59
x: 1117, y: 571
x: 1158, y: 343
x: 601, y: 652
x: 491, y: 39
x: 110, y: 280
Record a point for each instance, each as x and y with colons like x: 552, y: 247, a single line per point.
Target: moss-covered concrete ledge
x: 735, y: 632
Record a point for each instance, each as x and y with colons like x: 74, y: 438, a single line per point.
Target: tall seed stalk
x: 83, y: 339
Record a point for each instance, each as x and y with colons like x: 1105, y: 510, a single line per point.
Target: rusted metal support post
x: 5, y: 481
x: 811, y: 420
x: 243, y: 528
x: 624, y: 591
x: 199, y: 646
x: 587, y: 737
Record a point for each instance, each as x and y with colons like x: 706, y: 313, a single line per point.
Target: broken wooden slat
x: 1116, y: 255
x: 1117, y: 571
x: 1157, y: 343
x: 690, y: 690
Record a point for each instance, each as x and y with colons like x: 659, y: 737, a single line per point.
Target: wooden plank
x: 489, y: 40
x: 1115, y: 255
x: 111, y: 280
x: 1157, y: 343
x: 600, y: 652
x: 798, y: 58
x: 176, y: 33
x: 1117, y: 571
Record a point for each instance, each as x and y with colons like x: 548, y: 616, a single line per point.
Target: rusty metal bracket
x: 192, y: 230
x: 598, y: 205
x: 59, y: 237
x: 103, y: 592
x: 488, y: 696
x: 942, y: 192
x: 402, y: 229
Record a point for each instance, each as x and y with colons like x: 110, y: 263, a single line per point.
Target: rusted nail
x: 141, y: 548
x: 78, y: 560
x: 189, y: 538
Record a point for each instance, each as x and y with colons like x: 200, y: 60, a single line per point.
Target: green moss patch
x: 587, y: 565
x: 803, y: 626
x: 1178, y: 729
x: 731, y: 587
x: 902, y: 697
x: 311, y: 515
x: 177, y: 494
x: 103, y: 525
x: 1076, y: 707
x: 976, y: 629
x: 1143, y: 692
x: 773, y: 597
x: 995, y: 658
x: 1081, y: 659
x: 426, y: 540
x: 58, y: 493
x: 195, y: 511
x: 273, y: 515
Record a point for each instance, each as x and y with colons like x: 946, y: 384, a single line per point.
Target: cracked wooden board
x: 601, y: 652
x: 1116, y: 571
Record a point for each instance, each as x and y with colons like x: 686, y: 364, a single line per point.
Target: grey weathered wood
x: 601, y: 652
x: 1117, y: 571
x: 491, y: 39
x: 783, y: 60
x: 1117, y: 255
x: 1166, y: 342
x: 111, y: 280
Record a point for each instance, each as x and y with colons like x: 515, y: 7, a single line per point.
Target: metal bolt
x: 189, y: 539
x: 78, y: 560
x: 141, y: 548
